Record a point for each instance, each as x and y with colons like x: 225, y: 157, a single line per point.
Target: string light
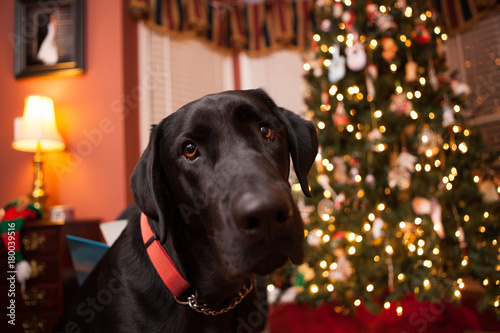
x: 399, y: 310
x: 465, y: 261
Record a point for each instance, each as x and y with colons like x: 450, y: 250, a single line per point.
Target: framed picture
x: 49, y: 37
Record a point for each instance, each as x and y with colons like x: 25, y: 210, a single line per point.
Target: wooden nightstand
x: 44, y: 246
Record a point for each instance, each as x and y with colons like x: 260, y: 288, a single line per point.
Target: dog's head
x: 218, y: 170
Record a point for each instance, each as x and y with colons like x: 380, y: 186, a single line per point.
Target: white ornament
x: 407, y: 161
x: 23, y: 269
x: 336, y: 72
x: 377, y: 227
x: 305, y: 210
x: 324, y: 181
x: 343, y: 270
x: 370, y: 78
x: 421, y: 205
x: 340, y: 171
x: 356, y: 57
x: 459, y: 88
x: 437, y: 218
x: 488, y: 191
x: 399, y: 177
x: 448, y: 116
x: 313, y: 239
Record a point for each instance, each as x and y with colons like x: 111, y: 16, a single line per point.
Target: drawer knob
x: 34, y: 242
x: 37, y: 269
x: 34, y: 325
x: 34, y: 297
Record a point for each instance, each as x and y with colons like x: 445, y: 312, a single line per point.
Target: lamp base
x: 39, y: 202
x: 38, y: 196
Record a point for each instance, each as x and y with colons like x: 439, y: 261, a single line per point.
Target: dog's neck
x: 192, y: 263
x: 195, y: 260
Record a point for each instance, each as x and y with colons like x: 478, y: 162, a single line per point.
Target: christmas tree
x: 404, y: 199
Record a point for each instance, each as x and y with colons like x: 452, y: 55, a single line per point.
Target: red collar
x: 164, y: 266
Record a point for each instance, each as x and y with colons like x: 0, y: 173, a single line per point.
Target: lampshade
x: 37, y: 128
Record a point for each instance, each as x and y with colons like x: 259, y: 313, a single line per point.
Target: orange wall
x: 92, y: 174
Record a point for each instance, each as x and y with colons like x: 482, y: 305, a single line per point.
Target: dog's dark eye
x: 191, y: 151
x: 267, y: 133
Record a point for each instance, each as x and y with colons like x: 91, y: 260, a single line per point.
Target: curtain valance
x: 251, y: 26
x: 257, y: 26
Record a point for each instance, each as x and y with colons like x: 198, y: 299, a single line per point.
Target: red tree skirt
x: 417, y: 317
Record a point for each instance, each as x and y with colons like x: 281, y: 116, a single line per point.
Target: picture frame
x: 49, y: 37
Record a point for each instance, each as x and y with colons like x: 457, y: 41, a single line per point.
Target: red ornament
x: 421, y: 35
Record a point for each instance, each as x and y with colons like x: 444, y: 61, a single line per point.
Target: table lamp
x: 36, y: 132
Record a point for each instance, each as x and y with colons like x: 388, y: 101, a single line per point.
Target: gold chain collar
x: 195, y: 304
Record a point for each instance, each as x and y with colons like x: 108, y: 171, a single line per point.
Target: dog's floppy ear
x: 302, y: 143
x: 149, y: 185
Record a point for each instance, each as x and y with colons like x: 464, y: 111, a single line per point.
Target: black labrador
x: 213, y: 183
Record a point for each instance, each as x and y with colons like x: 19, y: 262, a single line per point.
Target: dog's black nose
x: 262, y: 212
